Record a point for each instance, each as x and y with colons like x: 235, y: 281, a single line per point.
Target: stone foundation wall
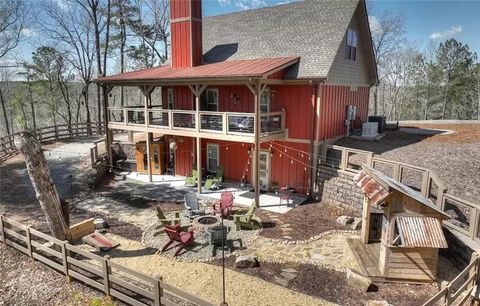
x: 460, y: 248
x: 338, y: 187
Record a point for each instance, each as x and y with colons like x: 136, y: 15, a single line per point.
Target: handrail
x: 428, y: 177
x: 106, y: 272
x: 49, y: 133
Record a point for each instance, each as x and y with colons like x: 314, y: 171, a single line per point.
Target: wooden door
x: 157, y: 157
x: 141, y: 157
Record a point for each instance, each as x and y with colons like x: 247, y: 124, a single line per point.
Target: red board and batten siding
x: 334, y: 101
x: 186, y: 35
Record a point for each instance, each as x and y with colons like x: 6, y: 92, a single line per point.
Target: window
x: 352, y: 39
x: 213, y: 158
x: 212, y: 100
x: 170, y: 98
x: 265, y: 101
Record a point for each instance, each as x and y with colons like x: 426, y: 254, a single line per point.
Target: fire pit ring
x: 203, y: 222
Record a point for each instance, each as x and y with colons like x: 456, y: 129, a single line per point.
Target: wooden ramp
x: 367, y: 256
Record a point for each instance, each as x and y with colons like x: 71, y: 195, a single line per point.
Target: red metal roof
x: 220, y: 70
x: 422, y: 232
x: 371, y: 188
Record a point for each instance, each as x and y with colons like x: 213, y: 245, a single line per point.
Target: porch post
x: 197, y: 92
x: 257, y: 90
x: 147, y: 91
x: 108, y: 133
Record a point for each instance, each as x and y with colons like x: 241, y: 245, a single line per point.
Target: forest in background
x: 77, y: 41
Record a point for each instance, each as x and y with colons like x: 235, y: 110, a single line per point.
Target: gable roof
x: 311, y: 29
x: 384, y: 185
x: 222, y: 70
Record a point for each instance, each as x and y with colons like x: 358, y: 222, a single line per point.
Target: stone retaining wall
x: 338, y: 187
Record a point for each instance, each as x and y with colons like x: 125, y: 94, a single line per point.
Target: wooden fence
x: 460, y: 288
x: 113, y: 279
x: 98, y: 151
x: 465, y: 216
x: 51, y: 133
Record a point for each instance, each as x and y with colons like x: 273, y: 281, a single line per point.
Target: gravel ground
x: 26, y: 282
x: 454, y: 158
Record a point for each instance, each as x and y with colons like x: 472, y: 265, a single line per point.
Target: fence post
x: 425, y: 188
x: 65, y: 254
x: 474, y: 220
x: 29, y: 241
x: 107, y: 270
x: 397, y: 171
x: 2, y: 233
x: 157, y: 291
x: 56, y: 132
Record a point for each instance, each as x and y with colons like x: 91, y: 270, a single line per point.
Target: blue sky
x: 427, y: 21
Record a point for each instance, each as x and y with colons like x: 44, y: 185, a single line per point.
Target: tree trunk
x: 375, y: 100
x: 89, y: 125
x: 32, y: 107
x: 44, y: 187
x: 444, y: 110
x: 5, y: 115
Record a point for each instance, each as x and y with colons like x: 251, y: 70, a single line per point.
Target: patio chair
x: 218, y: 175
x: 192, y: 209
x: 211, y: 184
x: 176, y: 234
x: 225, y: 205
x: 215, y: 235
x: 166, y: 221
x: 246, y: 220
x: 192, y: 180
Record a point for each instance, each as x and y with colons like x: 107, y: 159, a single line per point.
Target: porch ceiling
x: 222, y: 71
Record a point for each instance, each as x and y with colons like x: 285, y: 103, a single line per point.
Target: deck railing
x: 465, y: 216
x: 50, y: 133
x: 458, y: 291
x: 101, y: 273
x: 228, y: 123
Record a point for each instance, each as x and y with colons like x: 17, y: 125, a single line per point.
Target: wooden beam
x: 108, y: 135
x: 257, y: 129
x: 147, y: 95
x: 199, y: 165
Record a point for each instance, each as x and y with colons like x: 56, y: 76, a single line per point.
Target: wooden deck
x: 366, y: 256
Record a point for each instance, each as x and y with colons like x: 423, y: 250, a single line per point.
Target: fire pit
x: 203, y: 222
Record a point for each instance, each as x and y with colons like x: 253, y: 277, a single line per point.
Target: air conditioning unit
x: 370, y: 129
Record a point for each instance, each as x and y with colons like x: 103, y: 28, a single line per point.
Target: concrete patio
x: 168, y: 187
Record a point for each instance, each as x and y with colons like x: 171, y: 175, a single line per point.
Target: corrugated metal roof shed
x: 421, y: 232
x: 221, y: 70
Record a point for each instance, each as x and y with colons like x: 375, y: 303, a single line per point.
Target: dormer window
x: 352, y: 39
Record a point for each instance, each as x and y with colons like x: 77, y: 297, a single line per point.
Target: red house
x: 260, y: 87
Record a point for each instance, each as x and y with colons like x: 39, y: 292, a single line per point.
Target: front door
x: 264, y: 170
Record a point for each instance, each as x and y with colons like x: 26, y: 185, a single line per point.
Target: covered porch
x: 198, y: 112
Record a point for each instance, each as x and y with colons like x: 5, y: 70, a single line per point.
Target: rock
x: 288, y: 276
x: 100, y: 223
x: 281, y: 281
x: 345, y: 220
x: 358, y: 281
x: 377, y: 303
x: 246, y: 261
x: 356, y: 224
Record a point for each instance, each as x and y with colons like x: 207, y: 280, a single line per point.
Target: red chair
x: 285, y: 195
x: 225, y: 205
x: 175, y: 234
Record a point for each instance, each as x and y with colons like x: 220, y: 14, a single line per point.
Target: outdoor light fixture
x: 235, y: 98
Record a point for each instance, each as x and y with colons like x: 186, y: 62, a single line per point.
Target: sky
x: 426, y: 21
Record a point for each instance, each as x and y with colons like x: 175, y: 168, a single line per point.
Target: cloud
x: 375, y: 26
x: 450, y: 32
x: 224, y: 2
x: 28, y: 32
x: 249, y: 4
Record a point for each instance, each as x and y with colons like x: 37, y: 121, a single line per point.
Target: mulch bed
x: 332, y: 286
x: 306, y: 221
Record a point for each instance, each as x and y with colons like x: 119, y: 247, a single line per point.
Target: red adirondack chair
x: 175, y: 234
x: 225, y: 205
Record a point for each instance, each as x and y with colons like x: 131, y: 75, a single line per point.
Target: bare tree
x: 388, y: 35
x: 74, y: 33
x: 13, y: 18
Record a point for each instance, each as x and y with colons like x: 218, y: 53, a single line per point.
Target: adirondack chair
x: 176, y: 234
x: 246, y: 220
x: 192, y: 180
x: 225, y: 205
x: 192, y: 209
x: 166, y: 221
x: 218, y: 177
x: 215, y: 235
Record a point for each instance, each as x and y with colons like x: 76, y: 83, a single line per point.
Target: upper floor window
x: 210, y: 100
x: 170, y: 98
x: 352, y: 40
